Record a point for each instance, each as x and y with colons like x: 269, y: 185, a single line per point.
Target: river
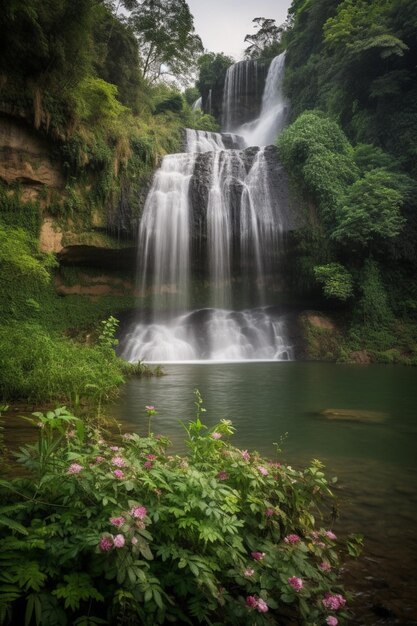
x: 373, y: 452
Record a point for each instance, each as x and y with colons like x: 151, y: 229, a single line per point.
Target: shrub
x: 129, y: 534
x: 336, y: 281
x: 38, y: 366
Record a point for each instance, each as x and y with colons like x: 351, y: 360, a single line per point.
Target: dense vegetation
x: 83, y: 75
x: 351, y: 78
x: 128, y: 534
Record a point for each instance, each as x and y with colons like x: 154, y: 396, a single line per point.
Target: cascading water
x: 197, y: 104
x: 214, y: 208
x: 264, y: 130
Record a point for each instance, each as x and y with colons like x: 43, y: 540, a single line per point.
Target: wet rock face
x: 25, y: 158
x: 239, y: 163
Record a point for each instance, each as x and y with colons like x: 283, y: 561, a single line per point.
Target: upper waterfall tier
x: 242, y: 93
x: 241, y: 79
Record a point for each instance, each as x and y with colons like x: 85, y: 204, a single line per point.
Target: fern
x: 78, y: 588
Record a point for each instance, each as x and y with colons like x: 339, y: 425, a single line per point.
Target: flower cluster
x: 333, y: 602
x: 75, y: 468
x: 128, y: 522
x: 258, y: 556
x: 292, y: 539
x: 296, y: 583
x: 257, y: 603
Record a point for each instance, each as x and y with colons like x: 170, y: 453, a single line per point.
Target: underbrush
x: 39, y: 366
x: 98, y: 533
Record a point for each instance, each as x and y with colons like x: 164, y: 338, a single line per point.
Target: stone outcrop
x: 25, y: 159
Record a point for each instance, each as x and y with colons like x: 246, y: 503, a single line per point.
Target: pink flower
x: 75, y: 468
x: 262, y: 606
x: 257, y: 603
x: 251, y: 601
x: 216, y: 435
x: 330, y: 535
x: 139, y: 512
x: 245, y: 455
x: 296, y: 583
x: 114, y: 448
x: 150, y: 407
x: 222, y: 475
x: 269, y: 512
x: 248, y: 572
x: 262, y: 470
x: 151, y: 457
x: 148, y: 465
x: 333, y: 602
x: 332, y: 621
x: 119, y: 474
x: 258, y: 556
x: 325, y: 566
x: 100, y: 459
x: 292, y: 539
x: 117, y: 521
x: 118, y: 461
x: 105, y: 544
x: 134, y: 541
x: 119, y: 541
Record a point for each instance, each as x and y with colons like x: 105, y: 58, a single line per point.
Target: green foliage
x: 265, y: 43
x: 174, y: 103
x: 370, y: 210
x: 106, y: 338
x: 316, y: 150
x: 191, y: 95
x: 17, y: 257
x: 336, y: 281
x: 135, y: 535
x: 373, y: 308
x: 167, y: 41
x: 39, y: 366
x: 46, y: 41
x: 212, y: 71
x: 97, y: 101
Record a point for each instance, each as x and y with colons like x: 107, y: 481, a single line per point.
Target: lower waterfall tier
x: 209, y: 335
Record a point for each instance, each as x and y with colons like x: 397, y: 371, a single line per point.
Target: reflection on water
x: 375, y: 460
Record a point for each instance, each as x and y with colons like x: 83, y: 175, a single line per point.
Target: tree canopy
x: 167, y: 40
x: 265, y: 42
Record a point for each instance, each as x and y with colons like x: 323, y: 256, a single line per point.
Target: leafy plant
x: 128, y: 533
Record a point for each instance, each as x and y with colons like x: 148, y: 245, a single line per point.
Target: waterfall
x: 215, y: 215
x: 240, y: 91
x: 197, y: 104
x: 265, y: 129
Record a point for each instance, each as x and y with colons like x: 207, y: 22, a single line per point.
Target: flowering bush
x: 203, y: 539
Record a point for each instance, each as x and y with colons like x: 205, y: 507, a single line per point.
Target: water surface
x: 373, y: 454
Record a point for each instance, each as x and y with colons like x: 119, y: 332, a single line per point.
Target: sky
x: 223, y: 24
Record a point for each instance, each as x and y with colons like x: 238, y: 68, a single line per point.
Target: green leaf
x: 78, y: 588
x: 13, y: 525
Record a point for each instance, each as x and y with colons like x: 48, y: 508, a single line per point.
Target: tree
x: 265, y: 42
x: 167, y: 41
x: 371, y: 210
